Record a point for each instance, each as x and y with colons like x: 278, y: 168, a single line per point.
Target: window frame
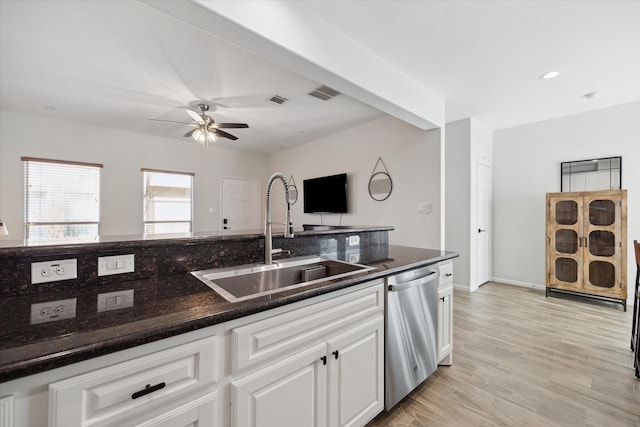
x: 28, y: 224
x: 144, y: 203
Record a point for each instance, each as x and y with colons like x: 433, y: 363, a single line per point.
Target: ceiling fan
x: 206, y: 129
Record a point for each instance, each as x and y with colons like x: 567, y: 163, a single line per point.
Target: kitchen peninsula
x: 179, y: 325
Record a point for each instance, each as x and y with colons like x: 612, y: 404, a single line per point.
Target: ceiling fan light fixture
x: 204, y: 136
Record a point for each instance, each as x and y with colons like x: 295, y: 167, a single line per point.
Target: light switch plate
x: 117, y: 264
x: 115, y: 300
x: 53, y: 271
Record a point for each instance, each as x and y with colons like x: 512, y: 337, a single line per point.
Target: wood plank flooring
x: 521, y: 359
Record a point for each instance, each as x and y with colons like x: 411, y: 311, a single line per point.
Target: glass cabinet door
x: 564, y: 230
x: 601, y: 260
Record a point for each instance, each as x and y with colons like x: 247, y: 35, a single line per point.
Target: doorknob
x: 480, y: 230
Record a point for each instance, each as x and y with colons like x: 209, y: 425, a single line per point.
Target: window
x: 62, y: 199
x: 167, y: 201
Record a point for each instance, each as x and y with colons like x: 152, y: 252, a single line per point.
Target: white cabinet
x: 320, y: 365
x: 111, y: 395
x: 182, y: 374
x: 288, y: 393
x: 356, y: 372
x: 6, y: 411
x: 445, y: 314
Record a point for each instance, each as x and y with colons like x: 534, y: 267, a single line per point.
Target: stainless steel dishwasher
x: 411, y: 320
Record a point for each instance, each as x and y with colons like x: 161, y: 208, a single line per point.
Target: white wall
x: 527, y: 165
x: 467, y: 143
x: 413, y: 159
x: 122, y: 154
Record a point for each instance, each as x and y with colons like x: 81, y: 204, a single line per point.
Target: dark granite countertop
x: 163, y: 307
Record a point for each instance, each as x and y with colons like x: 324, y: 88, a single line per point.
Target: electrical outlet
x: 51, y: 311
x: 53, y: 271
x: 354, y: 240
x: 115, y: 300
x: 117, y: 264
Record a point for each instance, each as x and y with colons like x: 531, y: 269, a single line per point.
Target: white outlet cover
x: 54, y: 271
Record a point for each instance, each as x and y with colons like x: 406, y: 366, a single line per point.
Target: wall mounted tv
x: 326, y: 194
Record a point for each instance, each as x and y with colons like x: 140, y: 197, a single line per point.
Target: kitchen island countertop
x: 163, y: 307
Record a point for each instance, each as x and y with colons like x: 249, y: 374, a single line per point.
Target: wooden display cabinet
x: 586, y: 244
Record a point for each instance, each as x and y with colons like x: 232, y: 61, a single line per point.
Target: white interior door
x: 240, y: 204
x: 483, y: 254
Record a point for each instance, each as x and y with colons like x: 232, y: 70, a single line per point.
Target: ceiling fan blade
x: 223, y: 134
x: 195, y: 116
x: 231, y: 125
x: 188, y: 134
x: 171, y: 121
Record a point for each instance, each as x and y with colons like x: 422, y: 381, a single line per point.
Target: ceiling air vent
x: 324, y: 92
x: 277, y: 99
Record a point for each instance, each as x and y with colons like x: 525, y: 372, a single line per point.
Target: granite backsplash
x: 169, y: 257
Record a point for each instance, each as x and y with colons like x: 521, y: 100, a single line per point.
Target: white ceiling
x: 119, y: 63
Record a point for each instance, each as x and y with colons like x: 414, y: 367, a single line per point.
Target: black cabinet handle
x: 148, y: 389
x: 449, y: 274
x: 443, y: 298
x: 324, y: 360
x: 335, y: 353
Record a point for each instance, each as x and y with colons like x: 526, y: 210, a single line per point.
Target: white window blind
x: 62, y: 199
x: 168, y: 201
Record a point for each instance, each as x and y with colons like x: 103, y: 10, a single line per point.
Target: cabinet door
x: 356, y: 374
x: 565, y: 242
x: 602, y: 248
x: 445, y: 325
x: 291, y: 392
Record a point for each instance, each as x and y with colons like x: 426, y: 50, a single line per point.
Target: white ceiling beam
x: 290, y: 34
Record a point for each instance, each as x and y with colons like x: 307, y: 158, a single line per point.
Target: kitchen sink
x: 244, y: 282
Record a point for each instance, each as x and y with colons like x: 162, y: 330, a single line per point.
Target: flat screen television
x: 326, y: 194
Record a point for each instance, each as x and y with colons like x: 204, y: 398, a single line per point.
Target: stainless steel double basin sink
x: 244, y: 282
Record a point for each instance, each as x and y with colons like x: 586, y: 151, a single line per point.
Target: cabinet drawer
x: 446, y: 273
x: 106, y: 395
x: 288, y: 332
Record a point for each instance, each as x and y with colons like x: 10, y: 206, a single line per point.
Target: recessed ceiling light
x: 550, y: 75
x: 591, y: 95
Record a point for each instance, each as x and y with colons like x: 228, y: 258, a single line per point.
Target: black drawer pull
x: 148, y: 389
x: 335, y: 353
x: 449, y: 274
x: 324, y: 360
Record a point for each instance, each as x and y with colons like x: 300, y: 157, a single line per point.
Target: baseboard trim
x: 518, y: 283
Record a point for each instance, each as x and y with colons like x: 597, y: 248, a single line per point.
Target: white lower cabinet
x: 288, y: 393
x: 172, y: 382
x: 6, y: 411
x: 445, y: 314
x: 336, y: 380
x: 167, y: 381
x: 356, y: 373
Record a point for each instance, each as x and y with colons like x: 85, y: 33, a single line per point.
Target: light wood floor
x: 521, y: 359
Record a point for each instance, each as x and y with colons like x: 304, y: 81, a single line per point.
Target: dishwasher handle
x: 420, y: 281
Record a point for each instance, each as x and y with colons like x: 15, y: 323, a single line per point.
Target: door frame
x: 476, y: 241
